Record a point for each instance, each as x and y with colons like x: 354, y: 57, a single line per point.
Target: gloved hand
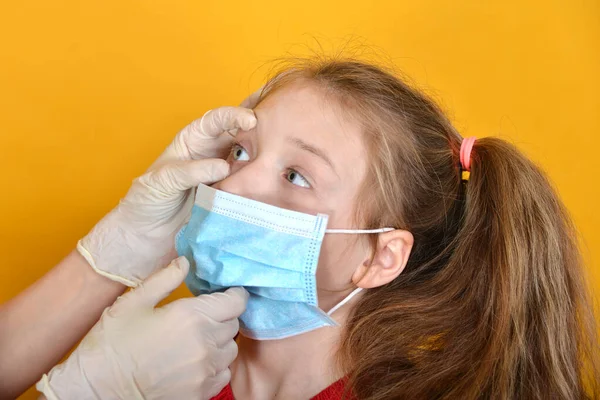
x: 180, y: 351
x: 137, y: 237
x: 210, y: 136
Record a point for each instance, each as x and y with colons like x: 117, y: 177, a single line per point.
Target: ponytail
x: 527, y: 280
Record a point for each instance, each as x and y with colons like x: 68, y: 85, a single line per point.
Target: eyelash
x: 237, y: 146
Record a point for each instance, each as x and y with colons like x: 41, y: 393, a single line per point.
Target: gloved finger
x: 225, y: 355
x: 252, y: 100
x: 180, y: 176
x: 217, y: 383
x: 226, y: 331
x: 223, y: 306
x: 154, y: 289
x: 222, y: 119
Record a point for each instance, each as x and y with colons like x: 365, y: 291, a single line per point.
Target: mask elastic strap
x: 347, y: 299
x: 380, y: 230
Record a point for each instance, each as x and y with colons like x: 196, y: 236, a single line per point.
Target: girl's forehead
x: 305, y: 109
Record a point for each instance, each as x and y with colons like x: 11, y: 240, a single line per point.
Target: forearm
x: 40, y: 325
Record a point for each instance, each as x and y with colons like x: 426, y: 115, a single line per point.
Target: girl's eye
x: 239, y: 153
x: 296, y: 179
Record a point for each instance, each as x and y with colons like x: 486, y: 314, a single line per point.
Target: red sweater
x: 333, y: 392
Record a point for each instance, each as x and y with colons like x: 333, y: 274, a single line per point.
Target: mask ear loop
x: 380, y: 230
x: 357, y: 290
x: 347, y: 299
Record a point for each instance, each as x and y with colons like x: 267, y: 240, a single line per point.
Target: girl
x: 477, y: 289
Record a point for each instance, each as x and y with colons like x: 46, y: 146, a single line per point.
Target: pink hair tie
x: 465, y: 156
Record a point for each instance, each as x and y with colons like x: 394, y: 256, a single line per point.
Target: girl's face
x: 304, y: 156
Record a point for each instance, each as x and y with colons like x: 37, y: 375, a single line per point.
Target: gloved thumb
x: 155, y: 288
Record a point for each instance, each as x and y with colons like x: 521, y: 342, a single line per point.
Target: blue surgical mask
x: 272, y: 252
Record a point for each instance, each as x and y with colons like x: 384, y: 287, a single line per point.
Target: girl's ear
x: 391, y: 256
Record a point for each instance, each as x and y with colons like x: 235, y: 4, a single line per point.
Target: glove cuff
x: 43, y: 386
x: 88, y: 257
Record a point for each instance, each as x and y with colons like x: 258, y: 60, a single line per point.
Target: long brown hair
x: 493, y: 302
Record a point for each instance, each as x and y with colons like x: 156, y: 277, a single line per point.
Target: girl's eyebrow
x: 314, y: 150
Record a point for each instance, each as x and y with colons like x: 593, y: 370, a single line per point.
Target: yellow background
x: 92, y: 91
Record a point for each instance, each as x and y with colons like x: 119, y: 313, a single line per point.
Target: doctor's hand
x: 137, y: 237
x: 179, y: 351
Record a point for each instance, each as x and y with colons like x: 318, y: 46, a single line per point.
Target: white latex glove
x: 211, y: 135
x: 180, y: 351
x: 137, y: 237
